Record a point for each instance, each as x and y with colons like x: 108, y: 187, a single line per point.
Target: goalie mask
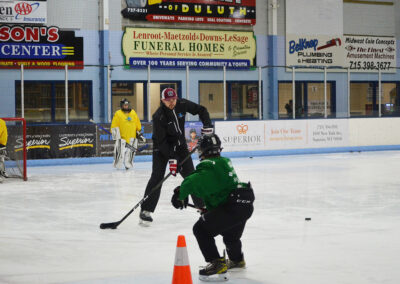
x: 209, y: 145
x: 124, y: 104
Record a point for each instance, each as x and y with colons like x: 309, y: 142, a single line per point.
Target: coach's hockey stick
x: 114, y: 225
x: 127, y: 145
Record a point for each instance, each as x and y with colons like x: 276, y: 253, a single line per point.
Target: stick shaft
x: 154, y: 188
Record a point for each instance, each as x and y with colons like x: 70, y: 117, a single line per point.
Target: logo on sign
x: 303, y: 44
x: 242, y: 128
x: 23, y: 8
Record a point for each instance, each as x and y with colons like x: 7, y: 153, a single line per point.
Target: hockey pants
x: 228, y: 221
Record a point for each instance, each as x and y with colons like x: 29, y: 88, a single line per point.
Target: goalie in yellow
x: 3, y: 143
x: 125, y: 128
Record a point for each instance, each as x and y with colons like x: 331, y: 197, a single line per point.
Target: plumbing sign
x: 314, y: 51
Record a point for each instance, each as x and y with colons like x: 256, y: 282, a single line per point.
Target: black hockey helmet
x: 209, y: 145
x: 124, y: 102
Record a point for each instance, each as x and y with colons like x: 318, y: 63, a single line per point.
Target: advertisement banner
x: 177, y: 48
x: 285, y: 134
x: 74, y: 141
x: 282, y: 134
x: 105, y: 145
x: 48, y: 142
x: 192, y: 134
x: 39, y: 48
x: 241, y: 135
x: 229, y: 12
x: 26, y: 12
x: 369, y: 53
x: 314, y: 51
x: 359, y: 53
x: 328, y: 133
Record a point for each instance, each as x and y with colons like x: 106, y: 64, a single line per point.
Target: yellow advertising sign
x: 178, y: 48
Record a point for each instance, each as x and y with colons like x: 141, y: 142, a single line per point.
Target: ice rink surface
x: 49, y: 226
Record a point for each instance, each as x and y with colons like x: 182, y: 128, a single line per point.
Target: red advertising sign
x: 229, y: 12
x: 39, y: 48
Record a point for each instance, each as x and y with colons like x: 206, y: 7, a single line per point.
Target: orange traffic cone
x: 182, y: 273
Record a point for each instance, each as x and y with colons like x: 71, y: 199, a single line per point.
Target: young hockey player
x: 125, y: 128
x: 3, y: 143
x: 169, y: 145
x: 229, y: 205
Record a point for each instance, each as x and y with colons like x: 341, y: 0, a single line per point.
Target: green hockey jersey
x: 213, y: 180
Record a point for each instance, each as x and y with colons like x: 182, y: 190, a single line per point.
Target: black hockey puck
x: 307, y: 219
x: 251, y: 157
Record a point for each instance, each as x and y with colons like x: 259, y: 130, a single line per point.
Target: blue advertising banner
x: 193, y: 62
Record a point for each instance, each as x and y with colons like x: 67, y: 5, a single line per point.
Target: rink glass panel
x: 243, y: 100
x: 309, y: 99
x: 45, y: 101
x: 133, y: 92
x: 364, y: 100
x: 211, y: 95
x: 136, y: 93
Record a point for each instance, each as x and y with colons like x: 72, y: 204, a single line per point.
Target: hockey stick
x: 127, y: 145
x: 200, y: 210
x: 114, y: 225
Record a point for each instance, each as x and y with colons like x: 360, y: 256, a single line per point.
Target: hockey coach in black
x: 169, y: 145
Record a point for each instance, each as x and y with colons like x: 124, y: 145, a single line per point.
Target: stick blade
x: 113, y: 225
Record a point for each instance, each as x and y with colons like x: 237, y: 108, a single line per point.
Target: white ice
x: 49, y: 225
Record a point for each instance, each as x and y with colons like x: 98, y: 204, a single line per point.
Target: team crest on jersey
x: 128, y: 118
x: 180, y: 115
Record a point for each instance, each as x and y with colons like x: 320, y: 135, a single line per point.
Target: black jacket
x: 169, y: 126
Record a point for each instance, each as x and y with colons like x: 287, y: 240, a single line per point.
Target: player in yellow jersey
x: 125, y: 128
x: 3, y: 143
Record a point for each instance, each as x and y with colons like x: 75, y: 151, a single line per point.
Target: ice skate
x: 236, y: 265
x: 215, y: 271
x: 145, y: 218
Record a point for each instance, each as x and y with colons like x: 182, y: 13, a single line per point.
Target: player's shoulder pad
x: 206, y: 163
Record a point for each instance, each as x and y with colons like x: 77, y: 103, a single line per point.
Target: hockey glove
x: 173, y: 166
x: 207, y: 130
x: 115, y: 133
x: 176, y: 202
x: 140, y: 137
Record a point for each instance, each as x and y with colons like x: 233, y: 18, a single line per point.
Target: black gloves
x: 207, y: 130
x: 176, y: 202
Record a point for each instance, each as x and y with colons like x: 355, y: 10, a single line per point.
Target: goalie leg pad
x: 119, y: 153
x: 130, y: 155
x: 2, y: 166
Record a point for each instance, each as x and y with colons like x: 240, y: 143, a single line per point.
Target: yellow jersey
x: 3, y: 132
x: 128, y: 124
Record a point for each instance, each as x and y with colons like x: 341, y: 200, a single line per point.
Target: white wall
x: 369, y: 19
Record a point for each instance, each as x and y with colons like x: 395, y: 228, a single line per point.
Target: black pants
x: 228, y: 221
x: 160, y: 163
